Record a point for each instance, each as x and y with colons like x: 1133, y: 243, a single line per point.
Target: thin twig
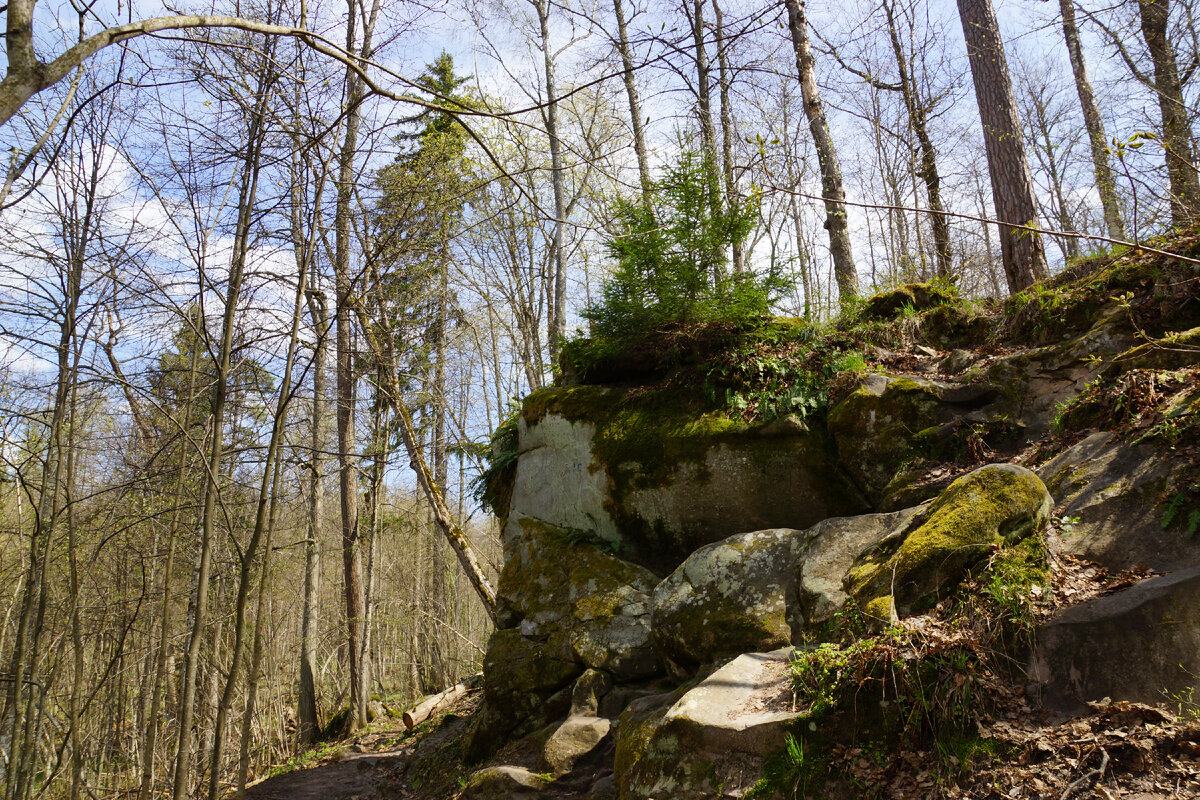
x: 1089, y: 779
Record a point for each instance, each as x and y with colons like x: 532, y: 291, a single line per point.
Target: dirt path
x: 354, y: 775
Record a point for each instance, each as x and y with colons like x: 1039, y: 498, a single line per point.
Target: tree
x: 1176, y: 127
x: 1021, y: 249
x: 833, y: 193
x: 1106, y: 184
x: 669, y: 259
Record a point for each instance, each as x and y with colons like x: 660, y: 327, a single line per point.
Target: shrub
x: 671, y: 258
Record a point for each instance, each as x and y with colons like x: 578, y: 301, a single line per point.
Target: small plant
x: 1183, y: 509
x: 1016, y: 579
x: 1185, y: 701
x: 493, y: 487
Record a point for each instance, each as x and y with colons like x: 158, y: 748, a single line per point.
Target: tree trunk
x: 927, y: 167
x: 343, y: 283
x: 832, y: 190
x: 1106, y: 183
x: 1012, y: 186
x: 724, y: 79
x: 1177, y: 132
x: 558, y: 311
x: 635, y: 107
x: 309, y: 723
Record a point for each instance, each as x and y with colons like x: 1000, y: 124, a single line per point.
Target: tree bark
x: 1177, y: 132
x: 724, y: 80
x: 1106, y: 183
x: 927, y: 167
x: 1012, y: 186
x: 309, y: 723
x: 635, y: 106
x: 558, y: 311
x: 832, y: 189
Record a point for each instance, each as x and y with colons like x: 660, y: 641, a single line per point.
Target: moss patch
x: 984, y: 509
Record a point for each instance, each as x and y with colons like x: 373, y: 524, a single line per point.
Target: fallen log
x: 436, y: 702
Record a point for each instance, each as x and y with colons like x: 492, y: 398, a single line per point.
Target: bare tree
x: 1012, y: 186
x: 833, y: 193
x: 1106, y: 183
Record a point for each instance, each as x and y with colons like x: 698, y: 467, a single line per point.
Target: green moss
x: 989, y: 507
x: 875, y: 432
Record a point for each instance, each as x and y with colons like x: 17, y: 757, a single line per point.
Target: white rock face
x: 558, y: 480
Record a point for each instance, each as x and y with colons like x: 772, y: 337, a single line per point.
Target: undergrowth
x: 921, y: 684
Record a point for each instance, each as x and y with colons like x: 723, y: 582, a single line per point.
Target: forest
x: 271, y: 274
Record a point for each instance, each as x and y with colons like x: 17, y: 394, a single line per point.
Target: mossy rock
x: 728, y: 598
x: 503, y: 783
x: 948, y: 327
x: 561, y: 583
x: 520, y: 676
x: 874, y: 427
x: 712, y: 742
x: 652, y: 471
x: 994, y: 505
x: 909, y: 297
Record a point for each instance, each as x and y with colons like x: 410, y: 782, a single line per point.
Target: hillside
x: 936, y: 549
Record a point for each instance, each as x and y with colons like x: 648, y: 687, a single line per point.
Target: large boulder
x: 562, y: 583
x: 1113, y: 496
x: 1141, y: 644
x: 889, y: 419
x: 652, y: 473
x: 1034, y: 383
x: 729, y: 597
x: 566, y: 606
x: 526, y: 684
x: 759, y: 591
x: 994, y: 505
x: 503, y: 783
x: 712, y: 741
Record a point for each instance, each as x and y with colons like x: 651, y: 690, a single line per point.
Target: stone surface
x: 1141, y: 644
x: 711, y: 742
x: 1034, y: 382
x: 502, y: 783
x: 573, y: 740
x: 556, y: 481
x: 521, y: 675
x: 876, y: 427
x: 645, y: 472
x: 552, y: 585
x: 1113, y: 494
x: 590, y: 688
x: 728, y: 598
x: 996, y: 504
x: 834, y: 546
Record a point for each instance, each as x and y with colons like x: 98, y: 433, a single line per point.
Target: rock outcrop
x: 662, y: 559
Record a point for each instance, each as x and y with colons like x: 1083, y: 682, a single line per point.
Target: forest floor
x: 1117, y: 750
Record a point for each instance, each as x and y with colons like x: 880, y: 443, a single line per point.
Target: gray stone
x: 552, y: 584
x: 557, y: 480
x: 1033, y: 383
x: 956, y: 361
x: 729, y: 597
x: 876, y: 425
x: 712, y: 741
x: 1140, y: 644
x: 1112, y: 494
x: 590, y: 687
x: 656, y: 512
x: 572, y: 741
x: 604, y: 788
x: 835, y: 545
x: 502, y: 783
